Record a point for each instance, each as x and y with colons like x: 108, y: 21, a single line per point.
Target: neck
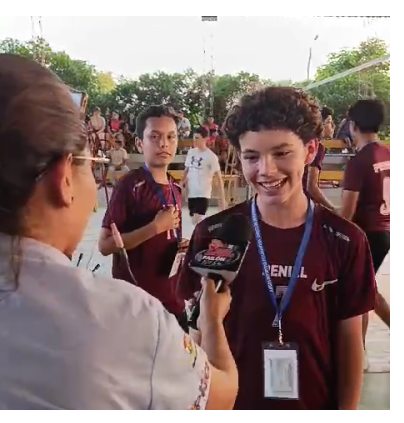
x: 289, y: 214
x: 364, y: 139
x: 159, y: 174
x: 203, y: 147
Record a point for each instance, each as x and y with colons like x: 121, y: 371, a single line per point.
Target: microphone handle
x: 193, y: 318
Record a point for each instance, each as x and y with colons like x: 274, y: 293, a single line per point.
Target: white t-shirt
x: 201, y: 165
x: 118, y: 156
x: 71, y: 339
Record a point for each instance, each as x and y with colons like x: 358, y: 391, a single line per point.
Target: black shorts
x: 198, y: 205
x: 379, y: 243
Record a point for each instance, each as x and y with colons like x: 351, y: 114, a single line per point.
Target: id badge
x: 179, y: 258
x: 281, y: 371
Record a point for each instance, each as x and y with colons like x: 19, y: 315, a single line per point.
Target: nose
x: 267, y: 165
x: 163, y: 141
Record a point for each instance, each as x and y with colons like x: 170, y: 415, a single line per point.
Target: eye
x: 250, y: 158
x: 280, y: 154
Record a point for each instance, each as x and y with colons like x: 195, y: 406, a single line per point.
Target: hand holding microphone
x: 222, y: 260
x: 214, y: 306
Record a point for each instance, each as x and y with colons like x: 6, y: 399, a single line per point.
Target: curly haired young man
x: 294, y: 326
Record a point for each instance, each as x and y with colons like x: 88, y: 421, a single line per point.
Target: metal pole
x: 212, y: 70
x: 310, y: 58
x: 309, y: 64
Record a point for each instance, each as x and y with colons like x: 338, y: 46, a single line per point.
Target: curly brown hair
x: 275, y: 108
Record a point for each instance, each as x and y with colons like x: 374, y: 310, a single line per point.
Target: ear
x: 139, y: 144
x: 311, y: 151
x: 60, y: 182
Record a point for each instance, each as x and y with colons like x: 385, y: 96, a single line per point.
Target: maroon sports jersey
x: 134, y: 204
x: 336, y: 282
x: 317, y: 162
x: 369, y: 174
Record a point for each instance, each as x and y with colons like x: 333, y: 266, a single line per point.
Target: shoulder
x: 212, y: 154
x: 354, y: 161
x: 338, y: 229
x: 212, y: 224
x: 119, y: 305
x: 132, y: 180
x: 321, y: 149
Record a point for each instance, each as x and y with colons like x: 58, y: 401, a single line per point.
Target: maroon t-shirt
x: 134, y: 204
x: 369, y: 174
x: 336, y: 282
x: 317, y: 162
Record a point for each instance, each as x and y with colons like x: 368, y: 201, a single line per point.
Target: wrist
x: 155, y: 228
x: 210, y: 324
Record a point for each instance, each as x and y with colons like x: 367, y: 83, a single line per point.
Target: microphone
x: 222, y: 260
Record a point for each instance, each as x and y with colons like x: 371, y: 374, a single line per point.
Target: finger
x: 208, y: 285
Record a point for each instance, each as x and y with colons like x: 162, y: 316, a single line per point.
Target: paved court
x: 376, y: 391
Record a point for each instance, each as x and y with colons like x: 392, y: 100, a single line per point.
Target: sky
x: 272, y: 47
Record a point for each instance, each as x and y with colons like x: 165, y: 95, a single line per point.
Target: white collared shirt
x: 71, y: 339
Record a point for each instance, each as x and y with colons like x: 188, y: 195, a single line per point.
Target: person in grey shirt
x: 71, y: 339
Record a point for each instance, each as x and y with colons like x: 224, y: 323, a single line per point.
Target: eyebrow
x: 155, y: 131
x: 283, y: 145
x: 276, y: 148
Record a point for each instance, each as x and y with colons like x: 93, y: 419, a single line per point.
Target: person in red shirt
x: 312, y: 171
x: 275, y: 131
x: 211, y: 125
x: 366, y: 195
x: 115, y: 123
x: 146, y: 208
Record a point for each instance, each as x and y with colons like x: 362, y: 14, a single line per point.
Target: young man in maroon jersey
x: 275, y: 132
x: 312, y: 171
x: 366, y: 195
x: 146, y: 208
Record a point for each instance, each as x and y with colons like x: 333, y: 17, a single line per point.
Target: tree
x: 106, y: 82
x: 192, y: 92
x: 78, y: 74
x: 228, y: 88
x: 374, y: 82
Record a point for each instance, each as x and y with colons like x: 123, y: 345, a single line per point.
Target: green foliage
x: 373, y: 82
x: 192, y: 92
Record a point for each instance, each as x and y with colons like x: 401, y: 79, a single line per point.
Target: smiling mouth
x: 273, y: 184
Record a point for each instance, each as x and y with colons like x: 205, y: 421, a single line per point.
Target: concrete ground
x: 376, y: 389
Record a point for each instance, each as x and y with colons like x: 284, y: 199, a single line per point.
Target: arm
x: 224, y: 385
x: 131, y: 240
x: 350, y: 362
x: 184, y: 178
x: 100, y: 131
x: 121, y: 201
x: 349, y: 203
x: 353, y: 180
x: 219, y: 177
x: 184, y: 376
x: 356, y: 296
x: 314, y: 190
x: 125, y: 158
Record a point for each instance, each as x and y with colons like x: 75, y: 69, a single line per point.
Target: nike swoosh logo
x: 319, y: 287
